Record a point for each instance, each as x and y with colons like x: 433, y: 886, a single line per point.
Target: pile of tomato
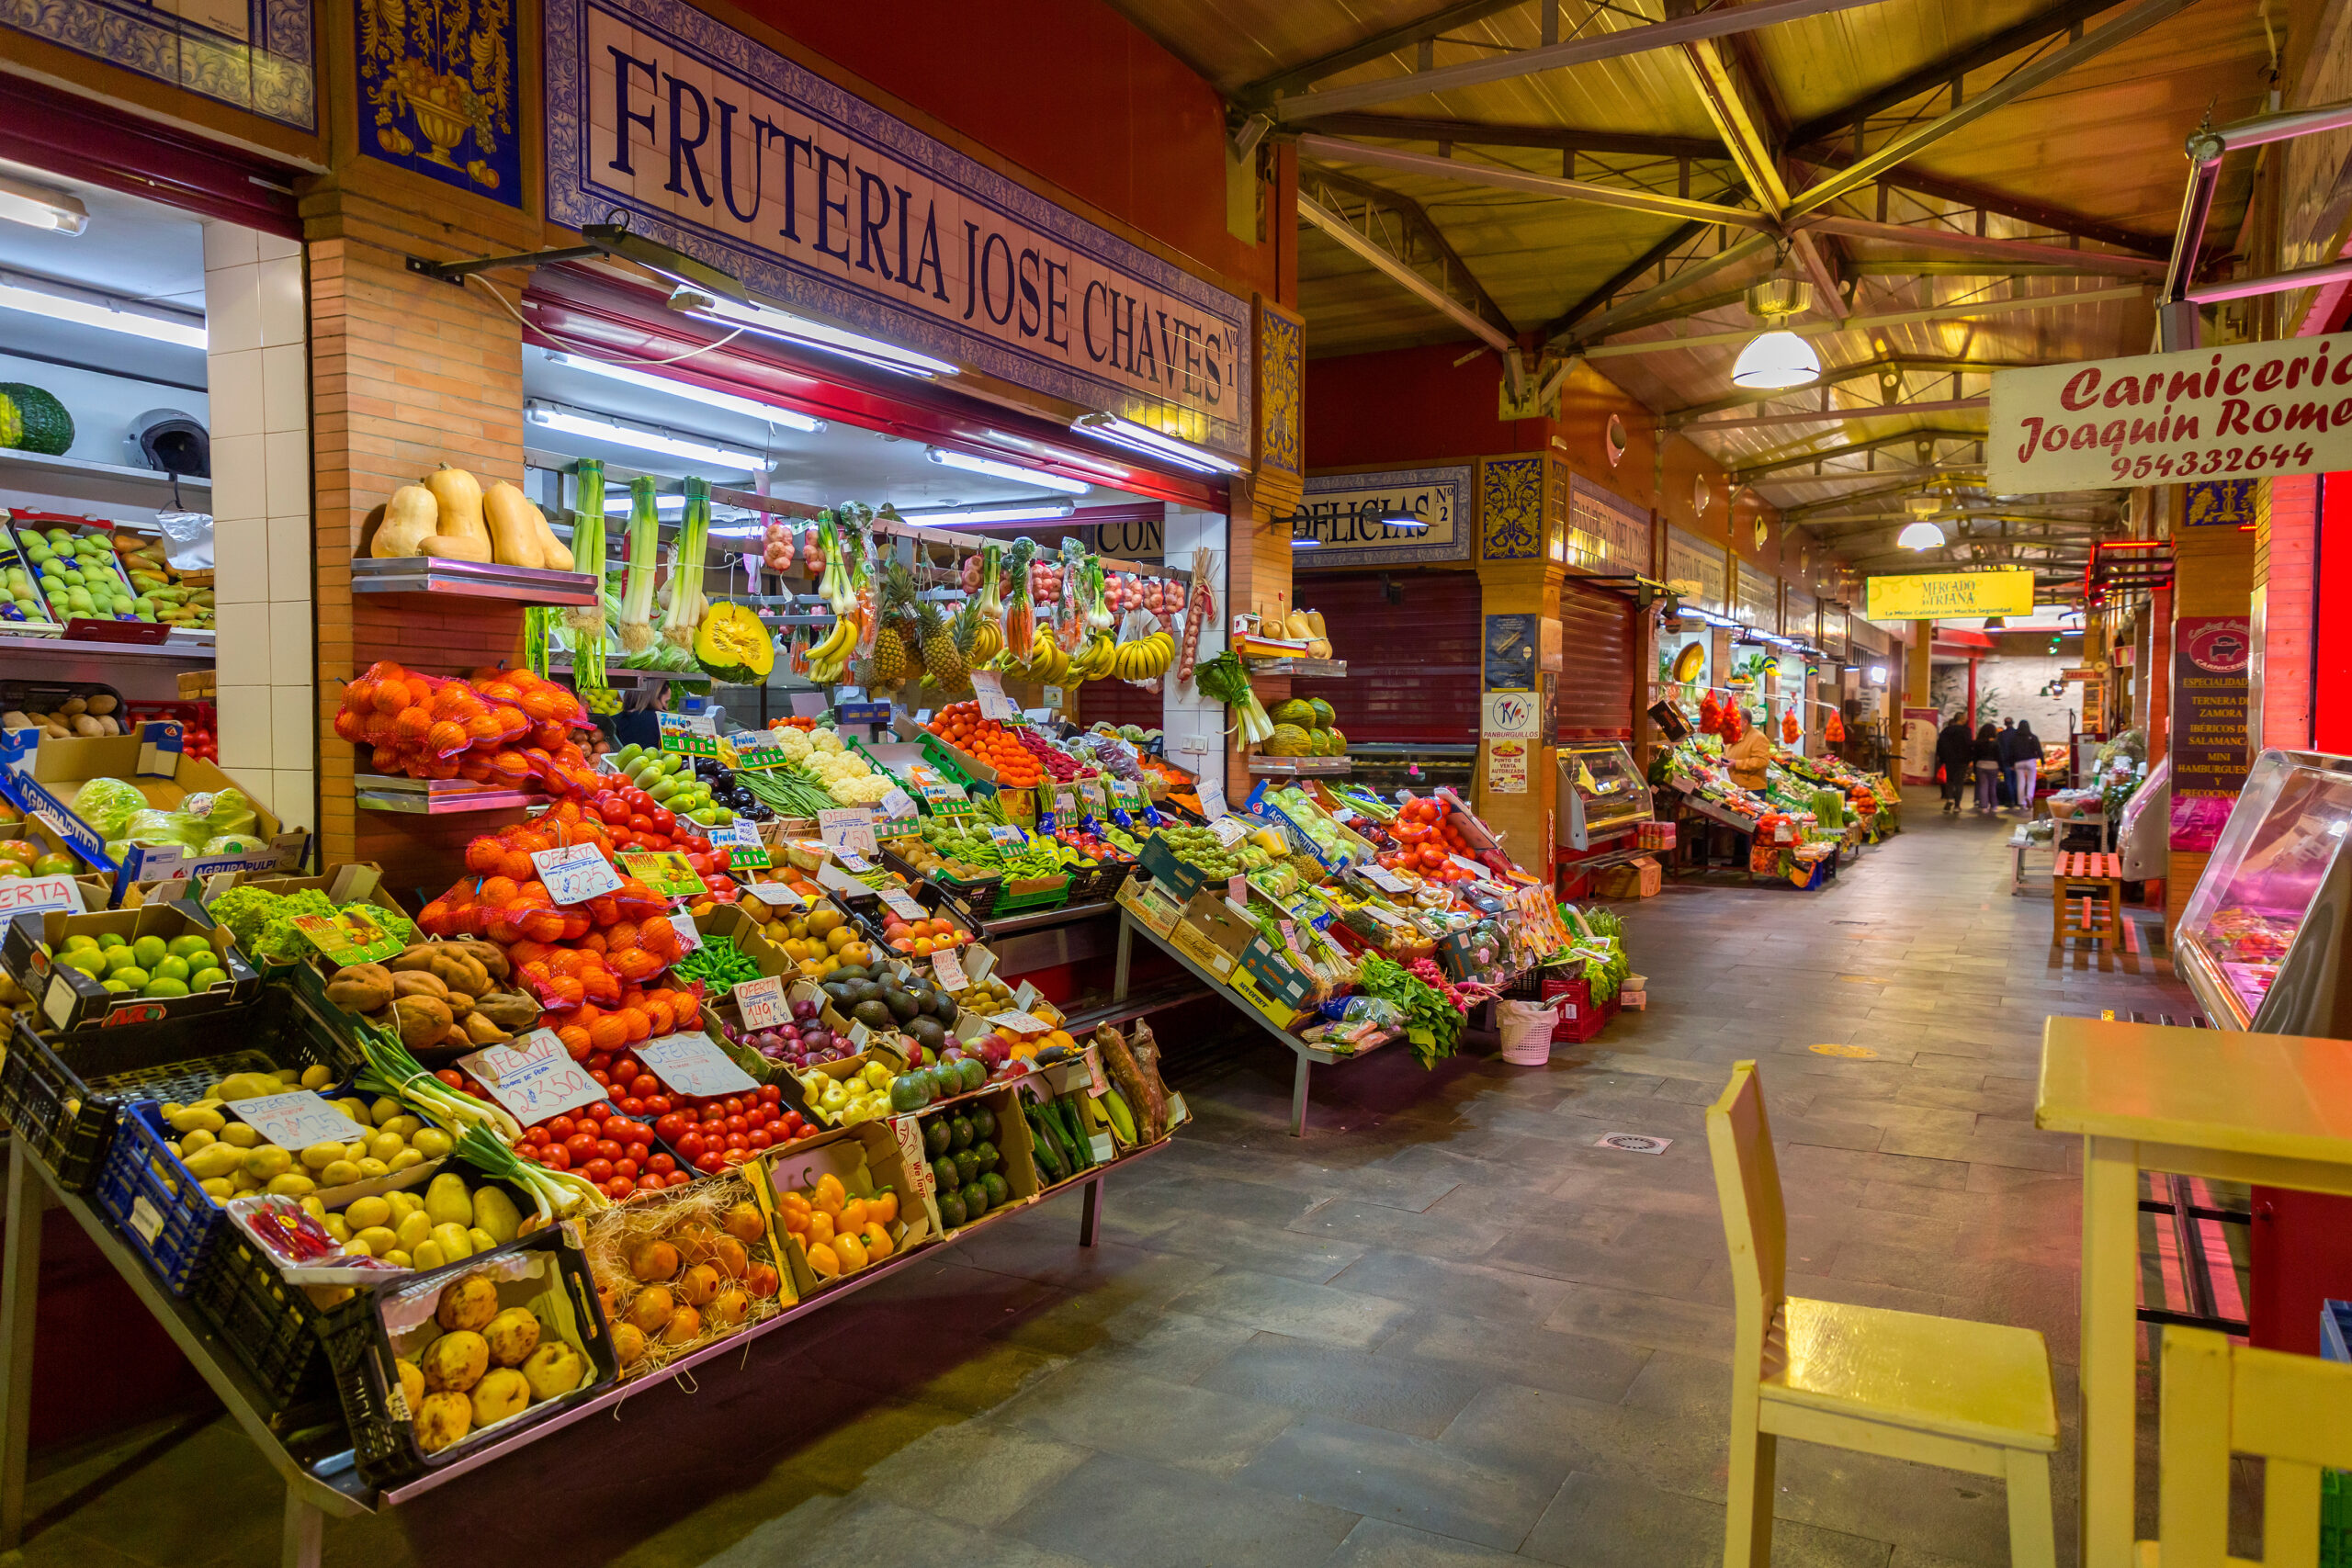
x: 1429, y: 834
x: 713, y: 1132
x: 603, y: 1145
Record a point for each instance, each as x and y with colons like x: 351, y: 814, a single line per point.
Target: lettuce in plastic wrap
x: 229, y: 814
x: 235, y: 844
x: 107, y: 804
x: 149, y: 826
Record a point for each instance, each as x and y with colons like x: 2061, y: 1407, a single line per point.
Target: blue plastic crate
x: 155, y: 1201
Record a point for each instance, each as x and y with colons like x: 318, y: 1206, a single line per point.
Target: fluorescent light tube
x: 18, y: 292
x: 41, y: 208
x: 751, y: 407
x: 1018, y: 475
x: 1152, y: 443
x: 769, y: 321
x: 1400, y: 518
x: 618, y: 505
x: 1305, y: 542
x: 1011, y: 512
x: 598, y: 427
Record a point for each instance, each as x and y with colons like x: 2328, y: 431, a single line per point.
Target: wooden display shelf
x: 435, y: 577
x: 1300, y: 767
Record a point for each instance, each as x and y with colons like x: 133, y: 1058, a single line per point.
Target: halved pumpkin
x: 732, y: 645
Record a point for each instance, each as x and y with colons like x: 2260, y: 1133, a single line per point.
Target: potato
x: 318, y: 1156
x: 378, y: 1239
x: 411, y: 1382
x: 555, y: 1368
x: 443, y: 1419
x: 513, y: 1334
x: 467, y: 1303
x: 241, y: 1134
x: 455, y: 1362
x: 503, y: 1393
x: 367, y: 1212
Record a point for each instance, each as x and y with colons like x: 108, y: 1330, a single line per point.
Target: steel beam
x: 1950, y: 266
x: 2057, y: 63
x: 2277, y: 283
x: 1681, y: 309
x: 1504, y: 179
x: 1837, y: 374
x: 1851, y: 449
x: 2021, y: 251
x: 1388, y: 41
x: 1389, y: 266
x: 1595, y: 327
x: 1719, y: 22
x: 1474, y: 133
x: 1822, y: 329
x: 1419, y: 222
x: 1836, y: 416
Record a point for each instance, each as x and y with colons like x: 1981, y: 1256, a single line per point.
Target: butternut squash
x: 555, y: 553
x: 459, y: 496
x: 411, y: 517
x: 514, y: 538
x: 451, y: 546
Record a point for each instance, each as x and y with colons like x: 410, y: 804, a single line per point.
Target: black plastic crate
x: 383, y: 1442
x: 272, y: 1326
x: 64, y: 1096
x: 1101, y: 883
x: 977, y: 897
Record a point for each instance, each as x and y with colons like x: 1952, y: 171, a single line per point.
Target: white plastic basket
x: 1526, y: 1030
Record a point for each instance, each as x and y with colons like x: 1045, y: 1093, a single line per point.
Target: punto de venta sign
x: 711, y: 143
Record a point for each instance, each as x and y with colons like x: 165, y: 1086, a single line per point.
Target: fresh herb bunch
x: 1426, y: 1012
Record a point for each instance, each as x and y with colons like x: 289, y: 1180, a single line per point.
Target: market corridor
x: 1442, y: 1330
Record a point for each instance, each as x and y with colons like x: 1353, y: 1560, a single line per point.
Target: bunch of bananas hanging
x: 829, y: 657
x: 1046, y: 663
x: 1144, y: 658
x: 1094, y: 657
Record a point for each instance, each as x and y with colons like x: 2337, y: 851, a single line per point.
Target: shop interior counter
x: 1603, y: 793
x: 2264, y: 939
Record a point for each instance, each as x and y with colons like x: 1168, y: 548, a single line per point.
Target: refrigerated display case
x: 1420, y: 767
x: 2266, y: 936
x: 1603, y: 793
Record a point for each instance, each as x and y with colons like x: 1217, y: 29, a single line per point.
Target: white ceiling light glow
x: 994, y: 469
x: 597, y: 427
x: 768, y: 412
x: 58, y: 304
x: 1920, y: 536
x: 782, y: 325
x: 1152, y: 443
x: 38, y: 207
x: 1011, y: 512
x: 1776, y: 358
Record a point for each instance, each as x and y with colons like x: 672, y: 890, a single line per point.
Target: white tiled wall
x: 258, y: 366
x: 1194, y: 724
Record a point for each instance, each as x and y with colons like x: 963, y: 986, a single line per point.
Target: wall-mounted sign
x: 2221, y: 503
x: 1512, y: 644
x: 1935, y: 595
x: 2211, y: 655
x: 1598, y: 530
x: 1697, y: 571
x: 1343, y: 511
x: 726, y: 149
x: 2254, y: 408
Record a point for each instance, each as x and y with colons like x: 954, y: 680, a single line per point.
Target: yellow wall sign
x: 1934, y: 596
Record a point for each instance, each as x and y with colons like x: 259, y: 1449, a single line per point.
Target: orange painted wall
x: 1070, y: 90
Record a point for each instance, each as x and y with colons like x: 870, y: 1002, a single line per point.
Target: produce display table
x: 317, y: 1468
x: 2264, y: 1109
x: 1310, y: 1056
x: 2020, y: 847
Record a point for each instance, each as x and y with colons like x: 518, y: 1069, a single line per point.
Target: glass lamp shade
x: 1776, y: 359
x: 1920, y: 536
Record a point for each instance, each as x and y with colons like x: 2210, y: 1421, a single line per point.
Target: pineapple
x: 890, y: 662
x: 942, y: 662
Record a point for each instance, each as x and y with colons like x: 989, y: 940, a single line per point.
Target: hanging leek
x: 584, y: 624
x: 687, y: 564
x: 1225, y: 679
x: 644, y: 543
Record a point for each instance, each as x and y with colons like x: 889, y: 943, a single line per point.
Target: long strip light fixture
x: 782, y: 325
x: 1010, y: 511
x: 602, y: 427
x: 1152, y: 443
x: 38, y: 296
x: 38, y: 207
x: 791, y: 419
x: 948, y: 458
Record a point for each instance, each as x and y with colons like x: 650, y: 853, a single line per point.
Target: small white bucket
x: 1526, y: 1029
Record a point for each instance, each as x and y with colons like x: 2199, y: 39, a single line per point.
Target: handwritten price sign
x: 534, y: 1079
x: 691, y: 1063
x: 298, y: 1120
x: 574, y: 874
x: 762, y: 1002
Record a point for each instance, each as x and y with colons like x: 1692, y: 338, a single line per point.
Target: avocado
x: 975, y: 1200
x: 945, y: 1011
x: 849, y: 972
x: 995, y: 1187
x: 874, y: 1014
x: 944, y: 1171
x: 926, y: 1032
x: 902, y: 1006
x: 959, y: 1132
x: 952, y: 1212
x: 985, y: 1155
x: 974, y: 1073
x: 862, y: 991
x: 934, y: 1136
x: 983, y: 1123
x: 967, y: 1165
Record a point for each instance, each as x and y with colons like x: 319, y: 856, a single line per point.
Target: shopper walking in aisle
x: 2025, y: 765
x: 1986, y: 755
x: 2006, y: 740
x: 1956, y: 755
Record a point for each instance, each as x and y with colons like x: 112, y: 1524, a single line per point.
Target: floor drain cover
x: 1633, y: 1143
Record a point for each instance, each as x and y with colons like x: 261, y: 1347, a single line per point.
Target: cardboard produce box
x: 69, y: 1000
x: 43, y: 774
x: 866, y: 1159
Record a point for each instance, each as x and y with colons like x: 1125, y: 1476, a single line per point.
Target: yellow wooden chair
x: 1941, y: 1391
x: 2220, y: 1399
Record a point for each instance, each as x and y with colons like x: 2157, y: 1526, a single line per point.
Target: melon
x: 1287, y: 740
x: 1323, y: 714
x: 1293, y: 711
x: 33, y: 421
x: 1339, y: 743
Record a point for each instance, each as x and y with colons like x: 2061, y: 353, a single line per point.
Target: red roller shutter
x: 1412, y: 667
x: 1595, y: 696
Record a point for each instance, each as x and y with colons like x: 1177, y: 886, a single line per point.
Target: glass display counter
x: 1603, y: 793
x: 2264, y: 939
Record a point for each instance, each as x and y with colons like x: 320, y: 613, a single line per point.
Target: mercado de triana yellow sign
x: 1931, y: 596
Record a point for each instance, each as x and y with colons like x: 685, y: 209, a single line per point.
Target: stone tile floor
x: 1444, y: 1330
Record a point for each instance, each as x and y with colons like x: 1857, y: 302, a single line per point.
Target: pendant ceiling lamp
x: 1920, y: 536
x: 1776, y: 358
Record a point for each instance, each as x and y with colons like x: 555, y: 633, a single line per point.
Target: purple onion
x: 816, y: 1040
x: 804, y: 1009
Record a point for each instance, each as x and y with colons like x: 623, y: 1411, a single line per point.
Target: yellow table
x: 2269, y: 1109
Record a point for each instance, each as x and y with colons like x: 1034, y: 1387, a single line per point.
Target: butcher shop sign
x: 2252, y: 410
x: 713, y: 144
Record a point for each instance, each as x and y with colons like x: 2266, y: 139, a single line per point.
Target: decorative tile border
x: 270, y: 71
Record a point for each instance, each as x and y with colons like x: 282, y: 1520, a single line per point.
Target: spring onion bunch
x: 644, y: 543
x: 1228, y: 681
x: 392, y: 1070
x: 687, y: 565
x: 556, y: 1191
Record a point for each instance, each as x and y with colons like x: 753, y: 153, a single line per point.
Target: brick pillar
x: 407, y: 373
x: 1520, y: 588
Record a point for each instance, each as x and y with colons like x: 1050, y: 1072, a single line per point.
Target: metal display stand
x: 1310, y: 1056
x: 327, y: 1483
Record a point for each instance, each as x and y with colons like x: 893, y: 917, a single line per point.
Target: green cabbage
x: 230, y: 813
x: 150, y: 826
x: 107, y: 804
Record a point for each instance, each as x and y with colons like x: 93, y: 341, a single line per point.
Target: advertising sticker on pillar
x: 1358, y: 519
x: 712, y: 143
x: 2211, y: 654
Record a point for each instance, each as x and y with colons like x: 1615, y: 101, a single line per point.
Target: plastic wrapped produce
x: 227, y: 813
x: 107, y: 804
x: 150, y: 826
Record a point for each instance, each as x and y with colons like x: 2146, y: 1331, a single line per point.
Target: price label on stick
x: 947, y: 970
x: 534, y: 1079
x: 1096, y: 1083
x: 1228, y: 830
x: 574, y: 874
x: 1474, y: 867
x: 298, y: 1120
x: 763, y: 1002
x: 901, y: 905
x: 685, y: 926
x: 667, y: 872
x: 1009, y: 836
x: 897, y: 803
x: 692, y: 1063
x: 1387, y: 881
x: 1020, y: 1023
x: 988, y: 686
x: 1212, y: 800
x: 775, y: 895
x: 850, y: 829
